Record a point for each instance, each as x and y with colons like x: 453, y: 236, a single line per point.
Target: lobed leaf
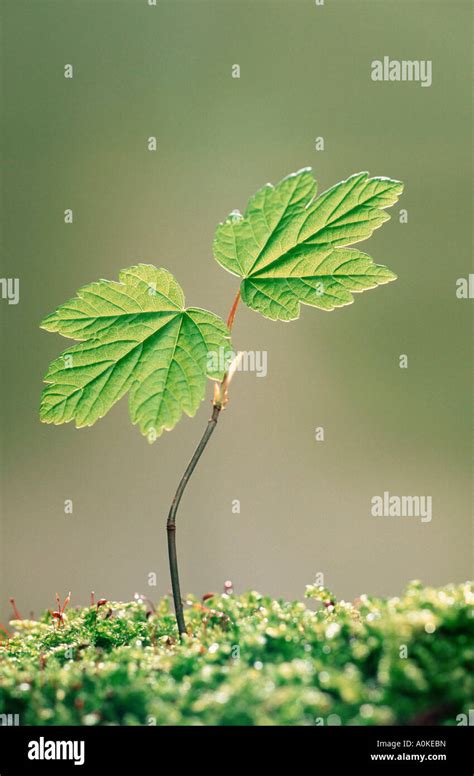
x: 289, y: 247
x: 135, y: 336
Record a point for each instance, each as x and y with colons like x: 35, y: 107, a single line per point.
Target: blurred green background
x: 82, y: 144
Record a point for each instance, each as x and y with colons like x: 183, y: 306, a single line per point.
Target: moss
x: 251, y: 660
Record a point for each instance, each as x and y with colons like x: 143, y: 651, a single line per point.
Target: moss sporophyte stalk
x: 289, y: 248
x: 248, y: 660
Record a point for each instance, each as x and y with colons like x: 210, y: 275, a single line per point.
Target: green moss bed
x: 248, y: 660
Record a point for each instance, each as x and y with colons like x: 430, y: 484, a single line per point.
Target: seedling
x: 136, y: 335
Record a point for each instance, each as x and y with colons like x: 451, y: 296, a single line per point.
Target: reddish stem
x: 16, y: 613
x: 7, y: 632
x: 233, y: 310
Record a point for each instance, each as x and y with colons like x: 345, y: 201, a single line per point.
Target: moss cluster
x: 251, y: 660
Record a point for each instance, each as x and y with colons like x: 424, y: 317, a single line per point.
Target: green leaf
x: 289, y: 247
x: 136, y: 336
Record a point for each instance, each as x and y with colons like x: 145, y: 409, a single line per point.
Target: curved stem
x: 171, y: 522
x: 219, y: 400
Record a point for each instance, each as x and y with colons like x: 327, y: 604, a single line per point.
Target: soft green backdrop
x: 81, y: 144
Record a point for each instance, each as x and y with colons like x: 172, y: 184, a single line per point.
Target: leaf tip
x: 48, y: 323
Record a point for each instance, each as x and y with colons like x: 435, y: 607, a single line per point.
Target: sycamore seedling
x: 136, y: 335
